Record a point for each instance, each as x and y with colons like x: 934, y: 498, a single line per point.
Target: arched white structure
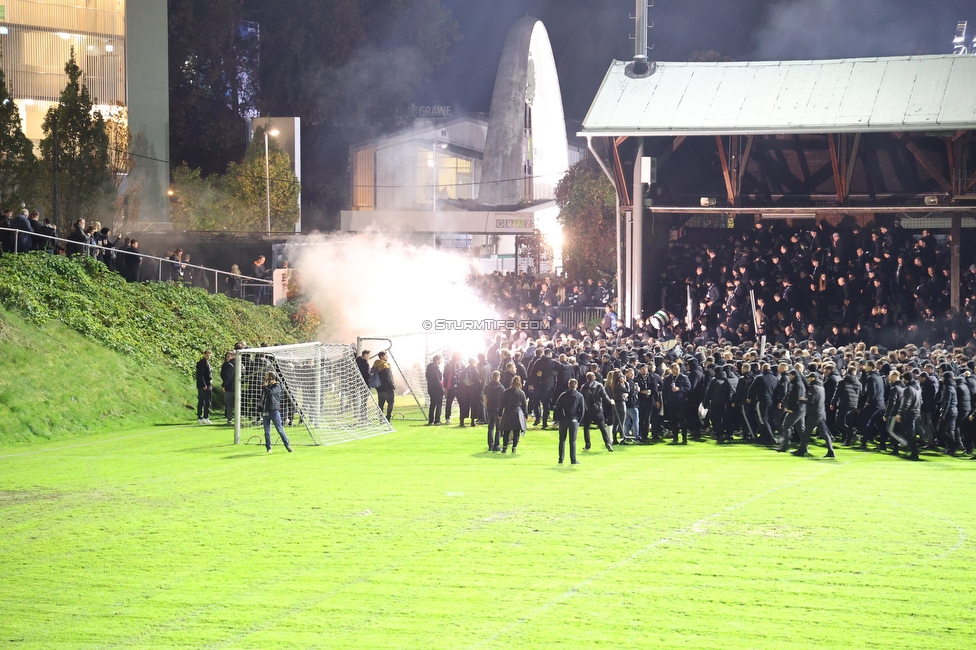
x: 526, y: 152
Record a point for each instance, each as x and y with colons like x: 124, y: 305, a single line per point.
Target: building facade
x: 37, y: 37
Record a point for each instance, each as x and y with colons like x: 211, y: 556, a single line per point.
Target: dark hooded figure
x: 699, y: 387
x: 794, y: 407
x: 717, y: 401
x: 948, y: 410
x: 816, y: 416
x: 844, y: 406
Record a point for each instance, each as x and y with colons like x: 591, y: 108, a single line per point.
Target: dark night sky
x: 587, y: 34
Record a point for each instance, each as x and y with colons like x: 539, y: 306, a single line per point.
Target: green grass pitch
x: 171, y: 537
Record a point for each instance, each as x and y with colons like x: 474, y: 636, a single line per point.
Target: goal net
x: 409, y: 355
x: 324, y: 396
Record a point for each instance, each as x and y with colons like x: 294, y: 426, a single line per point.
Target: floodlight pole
x: 267, y: 174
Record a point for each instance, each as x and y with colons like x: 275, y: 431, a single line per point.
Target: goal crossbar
x: 323, y: 393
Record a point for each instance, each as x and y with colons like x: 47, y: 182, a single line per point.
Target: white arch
x: 526, y: 94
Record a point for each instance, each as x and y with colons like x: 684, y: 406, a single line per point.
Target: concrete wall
x: 148, y: 101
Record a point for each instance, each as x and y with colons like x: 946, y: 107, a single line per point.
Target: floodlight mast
x: 959, y: 44
x: 640, y: 37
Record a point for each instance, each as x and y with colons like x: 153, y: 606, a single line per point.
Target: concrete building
x: 37, y: 36
x: 474, y: 183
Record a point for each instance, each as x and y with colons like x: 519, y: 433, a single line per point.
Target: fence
x: 573, y: 316
x: 245, y: 286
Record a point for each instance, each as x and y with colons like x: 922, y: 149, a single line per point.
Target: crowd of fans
x: 878, y: 284
x: 25, y: 232
x: 540, y: 298
x: 646, y: 391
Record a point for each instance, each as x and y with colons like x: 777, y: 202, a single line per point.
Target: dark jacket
x: 78, y: 242
x: 227, y: 375
x: 386, y: 375
x: 569, y: 406
x: 816, y: 401
x: 847, y: 393
x: 963, y: 397
x: 948, y: 402
x: 271, y: 398
x: 719, y: 393
x: 911, y: 401
x: 872, y: 393
x: 435, y: 379
x: 763, y: 389
x: 514, y: 408
x: 22, y: 223
x: 204, y: 374
x: 363, y: 366
x: 675, y: 399
x: 493, y: 397
x: 892, y: 406
x: 595, y: 396
x: 796, y: 397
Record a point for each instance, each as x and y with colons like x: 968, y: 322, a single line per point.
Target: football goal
x: 409, y: 355
x: 324, y: 395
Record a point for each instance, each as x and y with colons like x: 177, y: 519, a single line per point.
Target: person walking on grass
x: 514, y: 409
x: 204, y: 388
x: 227, y: 379
x: 570, y: 407
x: 386, y: 393
x: 271, y: 398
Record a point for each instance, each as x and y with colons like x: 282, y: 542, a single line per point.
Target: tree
x: 247, y: 181
x: 236, y: 201
x: 76, y: 142
x: 213, y: 75
x: 587, y: 204
x: 120, y: 163
x: 20, y: 171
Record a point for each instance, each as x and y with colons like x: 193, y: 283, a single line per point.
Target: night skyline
x: 586, y: 35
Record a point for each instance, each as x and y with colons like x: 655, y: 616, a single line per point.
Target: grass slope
x: 156, y: 322
x: 174, y: 538
x: 55, y: 382
x: 82, y: 350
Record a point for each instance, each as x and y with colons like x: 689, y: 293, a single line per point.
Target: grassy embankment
x: 81, y: 350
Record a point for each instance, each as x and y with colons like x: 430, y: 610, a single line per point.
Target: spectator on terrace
x: 234, y: 283
x: 259, y: 272
x: 77, y: 241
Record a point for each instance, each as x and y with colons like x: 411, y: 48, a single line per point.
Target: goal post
x: 409, y: 355
x: 323, y: 393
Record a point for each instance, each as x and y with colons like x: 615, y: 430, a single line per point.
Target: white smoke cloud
x: 826, y: 29
x: 372, y: 285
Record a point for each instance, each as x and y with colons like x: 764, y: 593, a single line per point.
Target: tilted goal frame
x: 322, y: 388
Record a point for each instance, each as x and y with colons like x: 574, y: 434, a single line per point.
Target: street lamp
x: 267, y: 173
x: 433, y: 164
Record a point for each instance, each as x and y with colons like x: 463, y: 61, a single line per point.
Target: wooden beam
x: 664, y: 157
x: 725, y: 170
x: 925, y: 162
x: 621, y: 178
x: 619, y: 141
x: 835, y: 164
x: 745, y: 162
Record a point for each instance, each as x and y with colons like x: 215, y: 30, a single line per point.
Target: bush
x: 153, y: 322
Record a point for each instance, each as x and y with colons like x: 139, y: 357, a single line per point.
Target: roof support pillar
x: 616, y: 218
x: 637, y: 247
x: 955, y: 274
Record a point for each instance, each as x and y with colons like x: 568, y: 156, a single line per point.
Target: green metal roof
x: 916, y: 93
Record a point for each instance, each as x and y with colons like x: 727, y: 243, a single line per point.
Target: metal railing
x: 259, y: 286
